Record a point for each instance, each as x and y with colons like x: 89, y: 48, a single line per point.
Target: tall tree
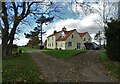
x: 98, y: 38
x: 113, y: 40
x: 105, y: 9
x: 16, y: 13
x: 40, y: 22
x: 33, y: 37
x: 38, y: 31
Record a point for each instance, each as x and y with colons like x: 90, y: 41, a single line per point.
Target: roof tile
x: 67, y: 34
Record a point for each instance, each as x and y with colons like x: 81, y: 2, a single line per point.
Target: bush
x: 56, y: 48
x: 41, y: 46
x: 60, y: 48
x: 113, y: 40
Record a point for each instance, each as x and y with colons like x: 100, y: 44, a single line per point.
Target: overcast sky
x: 81, y: 22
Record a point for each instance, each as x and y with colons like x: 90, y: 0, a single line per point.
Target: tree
x: 103, y: 8
x: 113, y: 40
x: 40, y: 22
x: 38, y: 31
x: 33, y: 42
x: 98, y: 37
x: 34, y: 37
x: 16, y: 13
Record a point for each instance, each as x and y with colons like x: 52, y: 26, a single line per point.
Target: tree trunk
x: 4, y: 47
x: 41, y: 32
x: 7, y: 47
x: 11, y: 39
x: 4, y: 41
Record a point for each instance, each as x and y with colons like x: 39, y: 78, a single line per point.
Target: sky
x: 78, y: 21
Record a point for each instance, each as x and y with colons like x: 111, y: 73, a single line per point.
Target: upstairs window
x: 84, y: 39
x: 72, y: 36
x: 89, y: 39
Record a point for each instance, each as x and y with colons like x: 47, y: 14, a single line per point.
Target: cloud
x: 22, y: 41
x: 86, y: 24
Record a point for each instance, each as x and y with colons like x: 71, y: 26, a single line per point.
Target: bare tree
x: 16, y: 13
x: 104, y: 9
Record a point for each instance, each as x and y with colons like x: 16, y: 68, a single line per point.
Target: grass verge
x: 20, y: 69
x: 66, y: 54
x: 25, y: 49
x: 112, y: 66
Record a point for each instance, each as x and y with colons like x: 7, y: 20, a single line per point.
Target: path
x: 81, y: 68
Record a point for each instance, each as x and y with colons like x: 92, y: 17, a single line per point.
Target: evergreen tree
x: 34, y: 37
x: 113, y: 40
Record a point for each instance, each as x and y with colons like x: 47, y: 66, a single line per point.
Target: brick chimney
x: 54, y: 31
x: 63, y: 29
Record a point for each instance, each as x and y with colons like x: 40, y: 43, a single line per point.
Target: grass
x: 112, y: 66
x: 66, y: 54
x: 25, y: 49
x: 20, y: 69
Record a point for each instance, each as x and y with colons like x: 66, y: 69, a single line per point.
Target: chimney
x: 54, y: 31
x: 63, y: 29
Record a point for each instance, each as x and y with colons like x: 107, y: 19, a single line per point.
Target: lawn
x: 112, y: 66
x: 66, y: 54
x: 20, y: 69
x: 25, y: 49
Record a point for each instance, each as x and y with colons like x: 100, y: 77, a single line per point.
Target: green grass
x: 20, y: 69
x: 66, y: 54
x: 112, y: 66
x: 25, y: 49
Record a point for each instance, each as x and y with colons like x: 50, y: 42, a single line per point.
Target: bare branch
x: 15, y: 8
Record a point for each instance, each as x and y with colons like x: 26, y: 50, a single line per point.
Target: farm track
x: 84, y: 67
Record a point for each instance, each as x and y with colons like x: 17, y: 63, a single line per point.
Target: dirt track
x: 81, y: 68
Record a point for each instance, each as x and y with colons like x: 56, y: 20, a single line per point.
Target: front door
x: 78, y: 45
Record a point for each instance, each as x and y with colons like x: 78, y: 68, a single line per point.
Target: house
x: 67, y: 39
x: 86, y: 37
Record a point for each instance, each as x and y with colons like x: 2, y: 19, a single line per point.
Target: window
x: 69, y: 44
x: 89, y: 39
x: 78, y: 45
x: 52, y: 44
x: 72, y: 36
x: 61, y: 45
x: 84, y: 39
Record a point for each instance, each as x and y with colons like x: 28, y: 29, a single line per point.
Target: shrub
x: 60, y: 48
x: 56, y: 48
x: 113, y: 40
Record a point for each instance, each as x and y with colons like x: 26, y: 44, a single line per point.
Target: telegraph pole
x: 119, y: 10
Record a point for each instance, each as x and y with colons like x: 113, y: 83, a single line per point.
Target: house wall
x: 87, y: 38
x: 76, y: 39
x: 61, y: 44
x: 51, y: 42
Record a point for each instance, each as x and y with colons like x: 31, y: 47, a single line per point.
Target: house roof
x: 54, y: 34
x: 82, y: 34
x: 67, y: 34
